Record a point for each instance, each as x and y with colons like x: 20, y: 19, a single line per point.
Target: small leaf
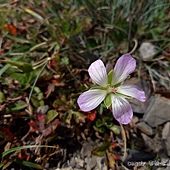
x: 102, y: 129
x: 29, y: 164
x: 98, y: 87
x: 19, y: 105
x: 51, y: 115
x: 91, y: 115
x: 37, y: 89
x: 34, y: 14
x: 111, y: 161
x: 110, y: 76
x: 99, y: 123
x: 50, y: 88
x: 40, y: 96
x: 26, y: 147
x: 11, y: 28
x: 41, y: 121
x: 100, y: 150
x: 2, y: 97
x: 108, y: 124
x: 108, y: 101
x: 25, y: 67
x: 115, y: 129
x: 35, y: 101
x: 51, y: 127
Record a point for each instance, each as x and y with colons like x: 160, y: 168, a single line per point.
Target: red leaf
x: 50, y: 88
x: 116, y: 157
x: 114, y: 145
x: 41, y: 121
x: 7, y: 132
x: 91, y: 115
x: 11, y: 28
x: 51, y: 127
x: 33, y: 126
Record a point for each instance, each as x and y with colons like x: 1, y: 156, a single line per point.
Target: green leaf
x: 34, y: 14
x: 100, y: 150
x: 28, y: 164
x: 35, y: 101
x: 51, y: 115
x: 25, y: 67
x: 99, y: 123
x: 2, y: 97
x: 6, y: 67
x: 40, y: 96
x: 102, y: 129
x: 110, y: 76
x: 78, y: 114
x: 25, y: 79
x: 19, y: 105
x: 108, y: 101
x: 109, y: 124
x: 115, y: 129
x: 98, y: 87
x: 1, y: 165
x: 26, y: 147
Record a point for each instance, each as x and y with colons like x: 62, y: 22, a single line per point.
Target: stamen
x: 114, y: 90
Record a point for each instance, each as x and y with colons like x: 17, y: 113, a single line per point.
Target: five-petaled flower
x: 111, y: 89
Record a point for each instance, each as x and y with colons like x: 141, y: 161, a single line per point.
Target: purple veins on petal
x: 98, y: 74
x: 121, y: 109
x: 90, y: 99
x: 132, y: 91
x: 125, y: 65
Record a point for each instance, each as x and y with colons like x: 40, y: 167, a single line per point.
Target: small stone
x: 68, y: 168
x: 99, y: 162
x: 91, y: 162
x: 135, y: 119
x: 154, y: 144
x: 157, y: 111
x: 166, y: 137
x: 147, y: 50
x: 79, y: 163
x: 72, y: 162
x: 47, y: 166
x: 145, y: 128
x: 86, y: 149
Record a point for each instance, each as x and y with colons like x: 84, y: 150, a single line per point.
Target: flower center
x: 111, y: 89
x: 114, y: 90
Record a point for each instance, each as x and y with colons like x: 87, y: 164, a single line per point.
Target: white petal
x: 121, y: 109
x: 98, y: 74
x: 125, y: 65
x: 133, y: 91
x: 90, y: 99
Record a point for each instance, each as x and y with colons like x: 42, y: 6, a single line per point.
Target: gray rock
x: 158, y: 111
x: 79, y: 162
x: 86, y: 149
x: 147, y: 50
x: 91, y: 162
x: 154, y: 144
x: 145, y: 128
x: 101, y: 165
x: 166, y: 137
x: 72, y: 162
x: 96, y: 163
x: 68, y: 168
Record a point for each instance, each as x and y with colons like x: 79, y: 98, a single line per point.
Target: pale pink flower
x: 111, y: 89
